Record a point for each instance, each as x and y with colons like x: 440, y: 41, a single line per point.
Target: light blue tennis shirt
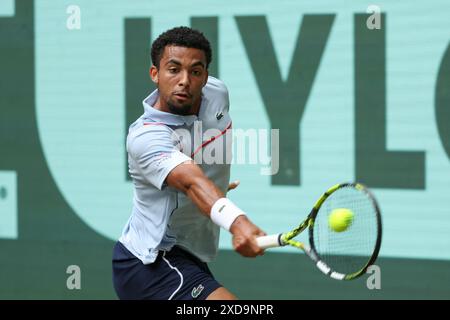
x: 157, y: 142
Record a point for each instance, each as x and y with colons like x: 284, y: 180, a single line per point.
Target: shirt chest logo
x: 219, y: 115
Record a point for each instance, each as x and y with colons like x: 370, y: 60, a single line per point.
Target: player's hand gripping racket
x: 342, y: 249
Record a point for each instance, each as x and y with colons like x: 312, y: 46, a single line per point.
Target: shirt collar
x: 164, y: 117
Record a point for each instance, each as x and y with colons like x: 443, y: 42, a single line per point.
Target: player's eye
x: 196, y: 72
x: 173, y: 70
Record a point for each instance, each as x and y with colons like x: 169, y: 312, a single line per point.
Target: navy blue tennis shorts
x: 174, y: 275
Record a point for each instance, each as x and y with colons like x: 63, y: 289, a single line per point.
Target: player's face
x: 180, y: 78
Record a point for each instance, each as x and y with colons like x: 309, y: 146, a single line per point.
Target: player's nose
x: 184, y: 79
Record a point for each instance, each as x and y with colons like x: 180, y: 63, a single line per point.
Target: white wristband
x: 224, y: 212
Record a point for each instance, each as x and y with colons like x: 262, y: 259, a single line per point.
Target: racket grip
x: 270, y: 241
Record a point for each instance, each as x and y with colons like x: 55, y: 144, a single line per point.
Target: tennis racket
x: 342, y: 255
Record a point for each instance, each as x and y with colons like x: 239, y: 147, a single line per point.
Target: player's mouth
x: 182, y: 95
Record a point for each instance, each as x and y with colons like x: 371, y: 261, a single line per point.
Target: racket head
x: 345, y: 255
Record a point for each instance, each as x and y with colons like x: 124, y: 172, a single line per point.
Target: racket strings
x: 347, y: 251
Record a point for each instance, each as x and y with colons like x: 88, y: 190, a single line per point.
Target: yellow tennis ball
x: 340, y: 219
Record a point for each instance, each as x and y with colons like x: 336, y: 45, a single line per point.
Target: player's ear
x: 154, y: 74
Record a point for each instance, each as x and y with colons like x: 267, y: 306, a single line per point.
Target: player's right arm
x: 155, y: 151
x: 190, y: 179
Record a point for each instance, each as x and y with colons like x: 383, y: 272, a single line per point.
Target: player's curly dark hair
x: 183, y: 37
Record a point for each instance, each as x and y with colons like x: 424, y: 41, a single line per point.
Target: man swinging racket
x: 179, y: 205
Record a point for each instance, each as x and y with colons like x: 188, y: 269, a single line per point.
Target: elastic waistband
x: 176, y: 250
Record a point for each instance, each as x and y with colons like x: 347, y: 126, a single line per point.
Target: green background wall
x: 351, y: 104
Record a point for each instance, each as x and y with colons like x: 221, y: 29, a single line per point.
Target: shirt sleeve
x: 217, y: 91
x: 156, y: 151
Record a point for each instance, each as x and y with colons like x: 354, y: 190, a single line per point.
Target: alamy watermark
x: 73, y: 21
x: 374, y: 20
x: 374, y: 280
x: 73, y: 282
x: 231, y: 146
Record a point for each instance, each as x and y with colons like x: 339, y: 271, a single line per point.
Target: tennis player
x: 179, y: 205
